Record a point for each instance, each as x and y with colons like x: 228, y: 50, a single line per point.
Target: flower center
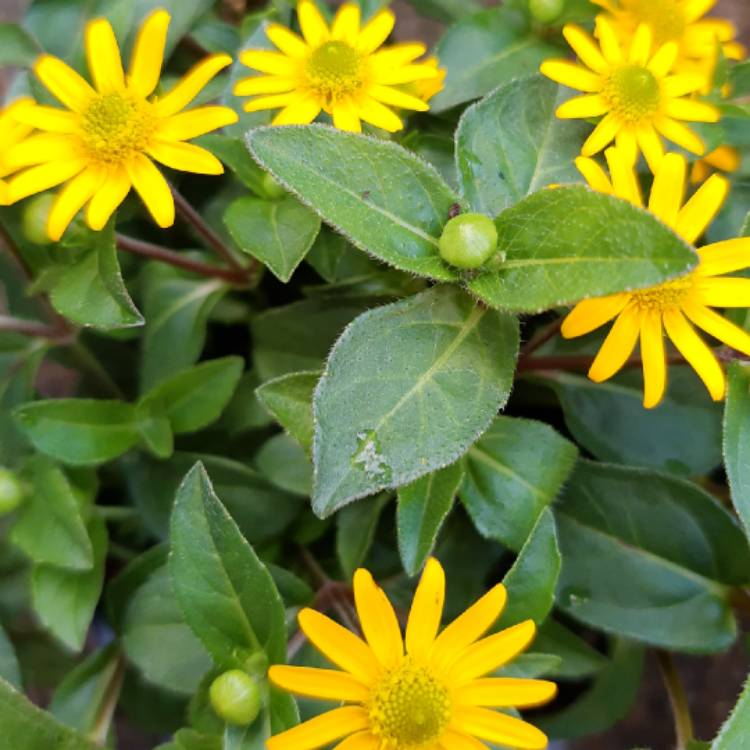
x: 334, y: 69
x: 666, y: 296
x: 665, y: 17
x: 633, y: 92
x: 409, y: 707
x: 116, y: 126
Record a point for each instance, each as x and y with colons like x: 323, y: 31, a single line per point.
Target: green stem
x: 683, y: 722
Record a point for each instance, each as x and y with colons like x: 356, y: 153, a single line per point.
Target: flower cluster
x: 642, y: 74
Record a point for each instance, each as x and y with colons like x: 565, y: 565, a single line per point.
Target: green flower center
x: 334, y: 69
x: 667, y: 296
x: 409, y: 708
x: 665, y: 17
x: 116, y: 126
x: 633, y: 93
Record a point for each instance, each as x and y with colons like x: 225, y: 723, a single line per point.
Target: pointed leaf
x: 737, y: 440
x: 289, y: 400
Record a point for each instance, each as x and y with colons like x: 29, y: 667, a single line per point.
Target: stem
x: 683, y: 722
x: 90, y: 364
x: 28, y: 328
x: 103, y: 719
x: 541, y: 338
x: 213, y: 241
x: 172, y: 258
x: 580, y: 363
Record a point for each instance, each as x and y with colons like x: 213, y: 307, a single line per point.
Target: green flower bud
x: 34, y: 218
x: 468, y: 240
x: 257, y: 665
x: 546, y: 11
x: 235, y: 696
x: 11, y: 491
x: 271, y: 187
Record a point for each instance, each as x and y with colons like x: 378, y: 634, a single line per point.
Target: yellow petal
x: 724, y: 257
x: 609, y: 41
x: 640, y: 47
x: 301, y: 111
x: 255, y: 85
x: 426, y: 610
x: 191, y: 84
x: 725, y: 158
x: 664, y: 59
x: 195, y: 122
x: 701, y: 209
x: 453, y: 740
x: 499, y: 729
x: 43, y: 177
x: 585, y: 47
x: 287, y: 41
x: 48, y: 118
x: 70, y: 200
x: 654, y: 358
x: 591, y: 314
x: 602, y: 136
x: 107, y: 198
x: 668, y: 190
x: 405, y: 74
x: 650, y: 144
x: 618, y: 346
x: 571, y: 75
x: 346, y: 116
x: 680, y: 134
x: 691, y: 110
x: 39, y: 148
x: 396, y: 55
x: 695, y: 9
x: 150, y: 184
x: 397, y: 98
x: 379, y: 115
x: 627, y: 145
x: 103, y: 56
x: 720, y: 328
x: 470, y: 625
x: 324, y: 684
x: 591, y: 105
x: 594, y: 175
x: 321, y: 730
x: 681, y: 84
x: 724, y: 292
x: 313, y: 25
x: 339, y: 645
x: 148, y: 53
x: 375, y: 32
x: 505, y: 692
x: 269, y: 62
x: 346, y: 23
x: 72, y: 90
x: 359, y: 741
x: 696, y: 352
x: 491, y: 653
x: 185, y: 157
x: 379, y: 623
x: 624, y: 179
x: 272, y: 101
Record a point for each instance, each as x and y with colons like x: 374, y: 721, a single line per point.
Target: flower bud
x: 468, y: 240
x: 271, y: 187
x: 34, y: 218
x: 235, y: 696
x: 11, y: 491
x: 546, y: 11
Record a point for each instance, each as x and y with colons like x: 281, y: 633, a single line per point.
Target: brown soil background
x: 712, y: 684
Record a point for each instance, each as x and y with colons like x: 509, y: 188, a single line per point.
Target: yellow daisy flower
x: 724, y: 158
x: 675, y: 307
x: 684, y: 22
x: 341, y: 70
x: 11, y: 132
x: 429, y: 693
x: 104, y: 143
x: 635, y: 91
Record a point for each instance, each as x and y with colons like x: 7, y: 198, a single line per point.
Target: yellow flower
x: 104, y: 143
x: 684, y: 22
x: 634, y: 91
x: 674, y: 307
x: 11, y: 132
x: 340, y: 70
x: 431, y: 694
x: 724, y: 158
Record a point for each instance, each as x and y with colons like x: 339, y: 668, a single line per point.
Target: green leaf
x: 422, y: 507
x: 735, y: 734
x: 227, y: 595
x: 81, y: 432
x: 196, y: 397
x: 512, y: 144
x: 484, y: 51
x: 16, y: 46
x: 737, y: 440
x: 286, y: 464
x: 355, y: 532
x: 513, y: 473
x: 277, y: 233
x: 26, y: 727
x: 681, y: 436
x: 233, y: 153
x: 609, y: 699
x: 447, y: 10
x: 9, y: 668
x: 393, y: 403
x: 64, y: 599
x: 157, y: 640
x: 665, y: 553
x: 566, y: 244
x: 50, y: 527
x: 532, y: 580
x: 89, y: 290
x: 385, y: 199
x: 245, y: 411
x: 579, y: 659
x: 176, y: 306
x: 289, y: 400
